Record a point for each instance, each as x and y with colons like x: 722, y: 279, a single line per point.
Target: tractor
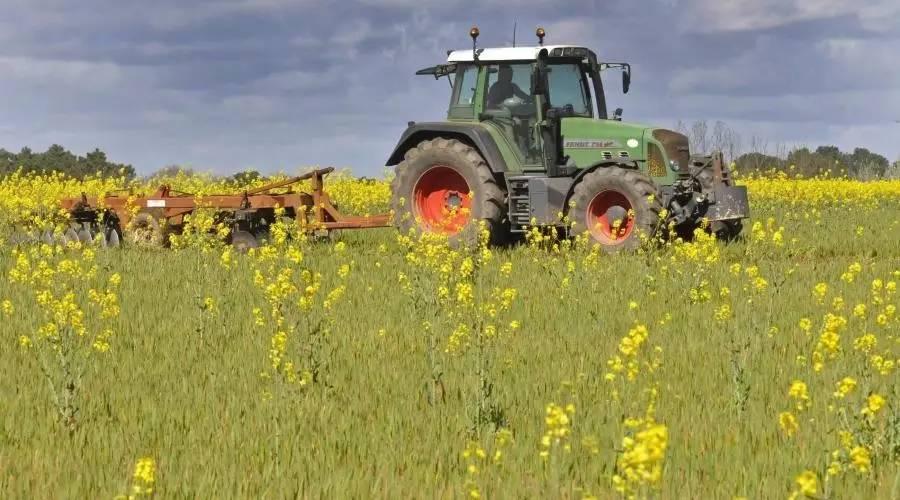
x: 528, y: 141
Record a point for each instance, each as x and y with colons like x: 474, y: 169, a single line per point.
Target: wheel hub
x: 441, y: 200
x: 610, y: 217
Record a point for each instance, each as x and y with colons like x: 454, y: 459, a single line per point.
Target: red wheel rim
x: 441, y: 200
x: 602, y: 213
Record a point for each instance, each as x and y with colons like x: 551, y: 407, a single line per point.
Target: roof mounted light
x: 474, y: 32
x: 540, y: 34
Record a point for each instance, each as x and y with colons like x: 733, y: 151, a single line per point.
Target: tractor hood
x: 588, y: 141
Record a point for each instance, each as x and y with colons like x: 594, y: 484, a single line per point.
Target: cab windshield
x: 569, y: 89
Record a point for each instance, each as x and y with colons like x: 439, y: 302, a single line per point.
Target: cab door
x: 510, y: 110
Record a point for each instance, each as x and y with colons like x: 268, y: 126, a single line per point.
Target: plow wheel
x: 615, y: 206
x: 243, y: 241
x: 145, y: 230
x: 444, y: 186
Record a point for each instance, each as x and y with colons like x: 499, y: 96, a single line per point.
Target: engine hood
x: 588, y: 141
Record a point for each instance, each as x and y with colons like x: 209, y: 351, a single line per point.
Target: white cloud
x: 739, y: 15
x: 31, y: 71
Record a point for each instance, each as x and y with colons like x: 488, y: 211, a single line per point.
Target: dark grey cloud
x: 278, y: 84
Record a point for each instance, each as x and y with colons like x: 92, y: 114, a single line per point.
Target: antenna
x: 515, y: 25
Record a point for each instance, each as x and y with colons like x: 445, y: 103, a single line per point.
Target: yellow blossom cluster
x: 143, y: 480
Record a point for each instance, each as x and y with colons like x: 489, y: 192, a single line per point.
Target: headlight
x: 674, y: 166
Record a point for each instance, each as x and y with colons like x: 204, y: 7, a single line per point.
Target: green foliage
x: 860, y: 164
x: 758, y: 162
x: 246, y: 177
x: 59, y: 159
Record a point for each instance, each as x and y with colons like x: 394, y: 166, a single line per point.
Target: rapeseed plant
x: 143, y: 480
x: 76, y: 303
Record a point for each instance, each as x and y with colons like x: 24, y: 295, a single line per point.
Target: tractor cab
x: 523, y: 94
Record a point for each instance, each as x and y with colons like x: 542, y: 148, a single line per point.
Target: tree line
x: 759, y: 157
x: 59, y: 159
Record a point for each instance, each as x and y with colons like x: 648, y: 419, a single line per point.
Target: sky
x: 276, y: 85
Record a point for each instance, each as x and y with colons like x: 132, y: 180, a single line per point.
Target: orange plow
x: 150, y: 219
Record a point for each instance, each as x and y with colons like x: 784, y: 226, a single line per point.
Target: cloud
x: 42, y: 72
x: 745, y: 15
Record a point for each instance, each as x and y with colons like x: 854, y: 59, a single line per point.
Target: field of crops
x: 378, y: 365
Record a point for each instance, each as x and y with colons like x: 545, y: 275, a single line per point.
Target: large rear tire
x: 615, y: 206
x: 445, y: 186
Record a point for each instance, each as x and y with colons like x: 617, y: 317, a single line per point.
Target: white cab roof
x: 502, y: 54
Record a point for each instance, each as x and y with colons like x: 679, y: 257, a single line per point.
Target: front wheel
x: 615, y: 206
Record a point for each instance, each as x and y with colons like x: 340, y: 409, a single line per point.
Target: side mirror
x: 626, y: 79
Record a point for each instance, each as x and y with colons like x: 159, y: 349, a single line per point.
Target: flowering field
x: 379, y: 365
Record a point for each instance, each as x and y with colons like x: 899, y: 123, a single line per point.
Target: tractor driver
x: 504, y: 88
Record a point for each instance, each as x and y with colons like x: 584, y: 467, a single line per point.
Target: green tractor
x: 528, y: 141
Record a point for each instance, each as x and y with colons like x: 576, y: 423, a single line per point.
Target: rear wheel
x: 444, y: 186
x: 615, y: 206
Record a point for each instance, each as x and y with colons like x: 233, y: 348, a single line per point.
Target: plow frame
x: 252, y: 209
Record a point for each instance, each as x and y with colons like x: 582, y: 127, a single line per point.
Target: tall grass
x: 181, y: 381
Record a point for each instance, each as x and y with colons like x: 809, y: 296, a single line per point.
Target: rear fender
x: 476, y: 136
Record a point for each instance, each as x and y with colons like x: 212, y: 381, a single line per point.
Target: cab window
x: 464, y: 88
x: 568, y: 89
x: 506, y: 81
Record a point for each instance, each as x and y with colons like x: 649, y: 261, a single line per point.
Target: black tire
x: 243, y: 241
x: 487, y: 203
x: 725, y: 230
x: 607, y: 185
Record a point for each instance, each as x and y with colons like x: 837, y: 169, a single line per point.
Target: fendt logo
x: 591, y: 143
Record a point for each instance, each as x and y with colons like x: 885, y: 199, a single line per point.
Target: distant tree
x: 59, y: 159
x: 7, y: 162
x: 808, y: 163
x: 758, y: 162
x: 893, y: 172
x: 865, y: 164
x: 170, y: 171
x: 703, y: 140
x: 829, y: 151
x: 246, y: 177
x: 698, y: 137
